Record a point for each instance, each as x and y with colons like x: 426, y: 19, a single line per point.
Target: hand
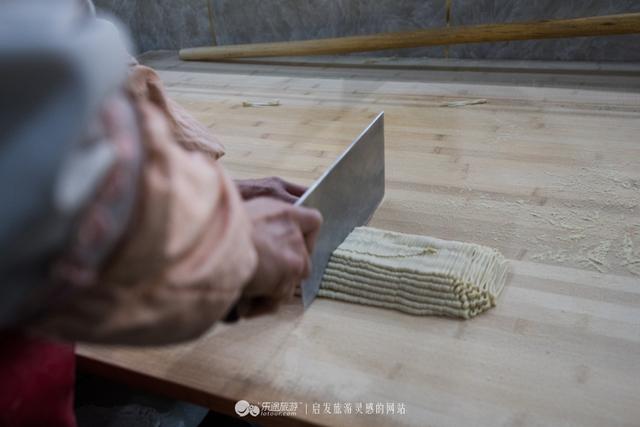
x: 284, y: 236
x: 273, y: 187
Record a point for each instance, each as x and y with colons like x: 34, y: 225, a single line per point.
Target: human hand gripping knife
x: 347, y: 195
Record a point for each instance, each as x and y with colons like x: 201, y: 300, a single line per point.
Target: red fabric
x: 36, y: 382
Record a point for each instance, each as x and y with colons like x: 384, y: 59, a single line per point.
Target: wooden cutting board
x: 548, y: 173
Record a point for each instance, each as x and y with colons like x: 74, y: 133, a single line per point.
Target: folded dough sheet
x: 414, y: 274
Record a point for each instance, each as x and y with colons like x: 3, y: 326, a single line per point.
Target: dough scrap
x: 274, y: 103
x: 414, y: 274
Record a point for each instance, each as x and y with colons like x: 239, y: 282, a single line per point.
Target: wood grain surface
x: 548, y: 175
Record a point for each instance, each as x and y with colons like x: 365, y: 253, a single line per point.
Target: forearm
x: 183, y: 262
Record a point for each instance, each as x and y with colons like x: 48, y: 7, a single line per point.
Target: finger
x: 299, y: 267
x: 287, y: 290
x: 294, y: 287
x: 295, y: 189
x: 285, y: 197
x: 306, y: 270
x: 309, y: 221
x: 298, y: 259
x: 286, y: 287
x: 310, y: 240
x: 292, y: 292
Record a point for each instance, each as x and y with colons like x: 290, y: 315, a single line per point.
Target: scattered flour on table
x: 599, y: 231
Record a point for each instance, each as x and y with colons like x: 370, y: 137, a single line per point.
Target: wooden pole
x: 627, y: 23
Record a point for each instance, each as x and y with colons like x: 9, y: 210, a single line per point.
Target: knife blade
x: 347, y: 195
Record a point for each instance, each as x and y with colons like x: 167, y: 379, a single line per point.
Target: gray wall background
x: 172, y: 24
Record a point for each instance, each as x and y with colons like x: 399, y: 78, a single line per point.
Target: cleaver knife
x: 347, y: 195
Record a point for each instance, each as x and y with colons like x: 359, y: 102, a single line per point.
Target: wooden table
x: 547, y: 171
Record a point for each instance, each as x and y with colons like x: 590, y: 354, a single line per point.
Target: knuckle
x: 287, y: 214
x: 296, y: 263
x: 273, y: 181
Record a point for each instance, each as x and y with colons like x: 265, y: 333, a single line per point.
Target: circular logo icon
x: 242, y: 408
